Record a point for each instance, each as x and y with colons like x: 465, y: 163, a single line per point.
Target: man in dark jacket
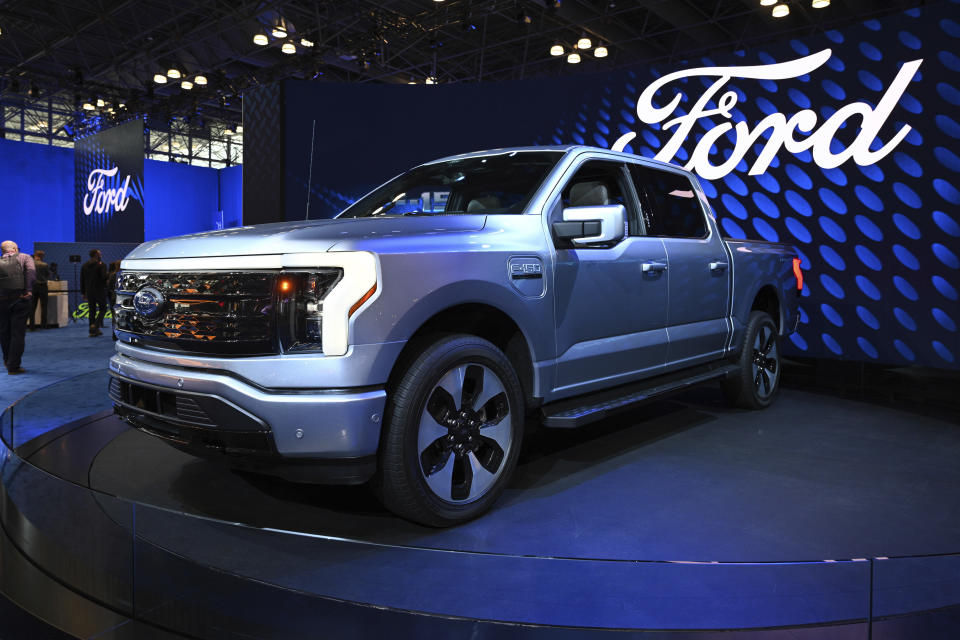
x: 17, y: 275
x: 93, y: 287
x: 40, y: 292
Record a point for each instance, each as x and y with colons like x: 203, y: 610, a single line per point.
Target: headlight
x: 300, y: 303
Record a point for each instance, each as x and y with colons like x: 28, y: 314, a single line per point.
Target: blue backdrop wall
x: 36, y: 187
x: 37, y: 190
x: 180, y: 199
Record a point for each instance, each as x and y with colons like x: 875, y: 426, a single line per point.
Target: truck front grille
x: 210, y: 312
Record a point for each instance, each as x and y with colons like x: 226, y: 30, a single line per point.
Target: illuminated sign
x: 782, y: 130
x: 101, y: 197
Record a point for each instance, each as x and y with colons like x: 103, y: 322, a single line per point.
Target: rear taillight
x: 798, y: 273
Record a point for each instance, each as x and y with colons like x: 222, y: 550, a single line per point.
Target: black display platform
x: 819, y: 517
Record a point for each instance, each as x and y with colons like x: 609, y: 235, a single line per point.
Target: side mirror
x: 592, y: 225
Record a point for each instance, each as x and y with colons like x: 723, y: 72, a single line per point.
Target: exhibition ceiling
x: 184, y: 59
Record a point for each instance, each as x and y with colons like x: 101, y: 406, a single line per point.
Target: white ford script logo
x: 99, y: 199
x: 148, y: 302
x: 783, y: 130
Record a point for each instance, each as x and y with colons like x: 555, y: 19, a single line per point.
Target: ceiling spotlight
x: 261, y: 39
x: 88, y: 106
x: 600, y: 52
x: 767, y: 3
x: 186, y: 85
x: 573, y: 58
x: 556, y: 50
x: 306, y: 43
x: 288, y: 48
x: 584, y: 43
x: 781, y: 10
x: 173, y: 72
x: 279, y: 32
x: 820, y: 4
x: 200, y: 80
x: 159, y: 78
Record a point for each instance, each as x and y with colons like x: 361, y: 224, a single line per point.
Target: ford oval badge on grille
x: 148, y: 302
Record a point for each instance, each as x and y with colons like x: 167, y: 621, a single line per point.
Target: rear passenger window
x: 669, y: 204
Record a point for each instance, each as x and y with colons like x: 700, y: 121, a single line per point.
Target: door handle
x: 718, y: 266
x: 653, y: 267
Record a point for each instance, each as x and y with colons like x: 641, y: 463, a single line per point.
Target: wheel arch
x: 483, y: 320
x: 767, y: 299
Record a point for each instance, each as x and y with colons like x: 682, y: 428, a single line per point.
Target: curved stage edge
x: 646, y: 526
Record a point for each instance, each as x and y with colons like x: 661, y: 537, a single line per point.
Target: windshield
x: 501, y: 183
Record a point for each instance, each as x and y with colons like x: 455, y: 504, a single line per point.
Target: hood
x: 301, y: 237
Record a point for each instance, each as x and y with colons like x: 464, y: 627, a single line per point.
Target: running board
x: 581, y: 410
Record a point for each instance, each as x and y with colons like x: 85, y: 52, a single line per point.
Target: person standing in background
x: 93, y: 287
x: 17, y: 275
x: 112, y: 293
x: 40, y: 290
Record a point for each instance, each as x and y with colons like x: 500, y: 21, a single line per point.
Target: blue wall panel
x: 231, y: 196
x: 180, y: 198
x: 36, y: 193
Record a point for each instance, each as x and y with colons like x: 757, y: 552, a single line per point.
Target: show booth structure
x: 845, y: 144
x: 684, y: 518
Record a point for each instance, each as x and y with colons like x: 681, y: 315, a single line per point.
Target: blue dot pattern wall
x: 880, y: 243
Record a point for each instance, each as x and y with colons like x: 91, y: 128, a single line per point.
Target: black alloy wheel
x: 757, y: 382
x: 453, y: 432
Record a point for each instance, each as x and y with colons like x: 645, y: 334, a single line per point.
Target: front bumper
x: 301, y: 424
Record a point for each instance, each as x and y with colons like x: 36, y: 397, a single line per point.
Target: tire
x: 452, y: 434
x: 756, y: 384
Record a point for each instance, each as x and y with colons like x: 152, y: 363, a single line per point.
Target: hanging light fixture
x: 767, y: 3
x: 186, y: 85
x: 600, y: 52
x: 200, y: 80
x: 101, y: 103
x: 584, y: 43
x: 556, y: 50
x: 430, y: 80
x: 159, y: 78
x: 573, y: 58
x: 173, y: 73
x: 279, y: 32
x: 304, y: 42
x: 88, y: 106
x: 820, y: 4
x: 781, y: 10
x: 261, y: 39
x: 288, y: 48
x: 239, y: 128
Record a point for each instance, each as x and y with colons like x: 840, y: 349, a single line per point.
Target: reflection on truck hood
x: 307, y: 236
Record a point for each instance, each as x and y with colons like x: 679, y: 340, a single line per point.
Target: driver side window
x: 596, y: 182
x: 600, y: 182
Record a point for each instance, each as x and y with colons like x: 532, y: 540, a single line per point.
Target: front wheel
x: 756, y: 384
x: 453, y: 433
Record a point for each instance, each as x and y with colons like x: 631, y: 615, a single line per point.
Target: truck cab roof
x: 563, y: 148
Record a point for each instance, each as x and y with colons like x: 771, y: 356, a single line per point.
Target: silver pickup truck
x: 407, y: 341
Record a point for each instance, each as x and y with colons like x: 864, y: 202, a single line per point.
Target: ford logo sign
x: 148, y: 302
